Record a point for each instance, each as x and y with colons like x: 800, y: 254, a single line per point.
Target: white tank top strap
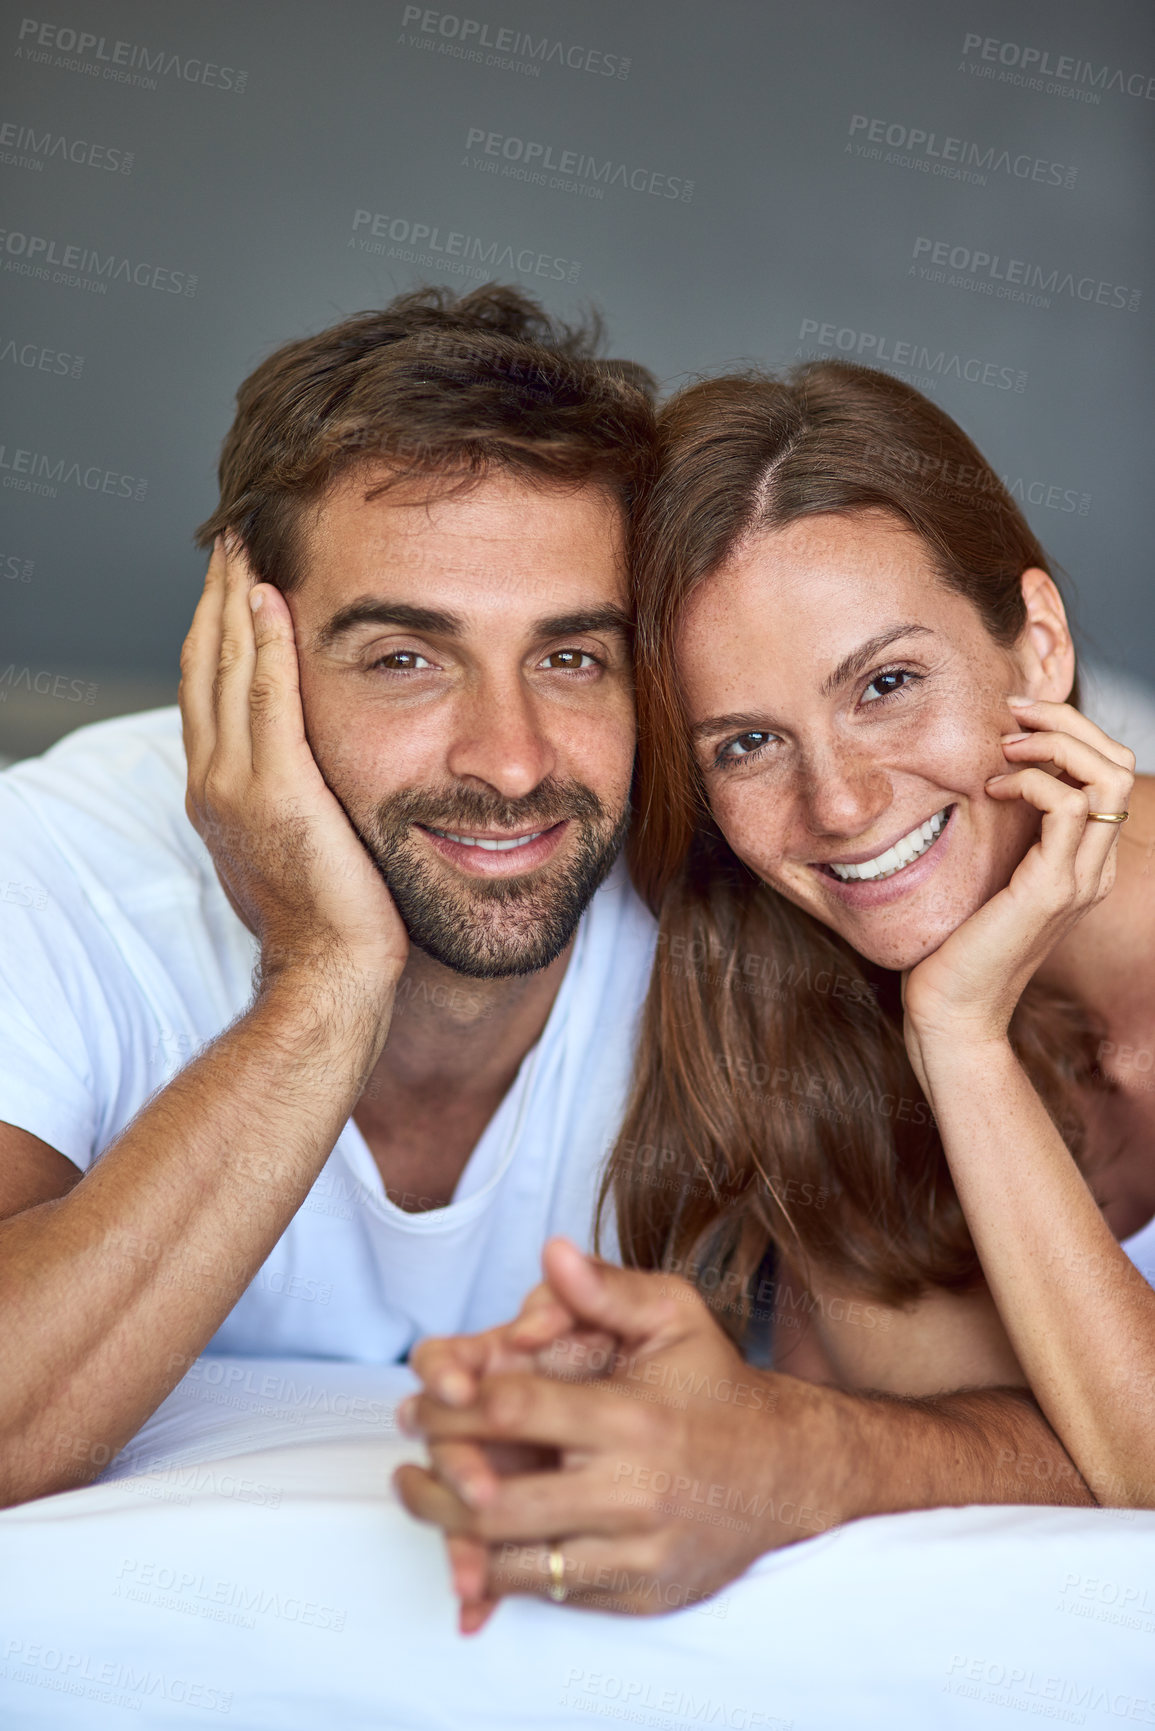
x: 1140, y: 1247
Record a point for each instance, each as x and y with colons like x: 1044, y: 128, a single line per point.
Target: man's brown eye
x: 401, y: 661
x: 567, y: 660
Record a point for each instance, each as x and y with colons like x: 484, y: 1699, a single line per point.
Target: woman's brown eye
x: 745, y: 744
x: 885, y: 684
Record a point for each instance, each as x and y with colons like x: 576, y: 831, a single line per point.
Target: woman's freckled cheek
x: 751, y: 819
x: 962, y: 735
x: 948, y: 751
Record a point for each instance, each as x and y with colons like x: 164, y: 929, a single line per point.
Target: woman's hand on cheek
x: 969, y: 986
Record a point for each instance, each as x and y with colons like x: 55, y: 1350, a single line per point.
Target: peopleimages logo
x: 1054, y: 74
x: 944, y: 478
x: 506, y: 49
x: 529, y: 160
x: 452, y: 250
x: 14, y: 568
x: 27, y: 471
x: 74, y: 1673
x: 881, y: 351
x: 45, y: 684
x: 56, y: 261
x: 221, y: 1601
x: 37, y: 358
x: 641, y: 1701
x: 950, y: 158
x: 121, y: 62
x: 1015, y: 279
x: 1028, y: 1691
x: 24, y: 147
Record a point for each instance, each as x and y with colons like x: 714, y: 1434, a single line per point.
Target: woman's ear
x: 1044, y: 651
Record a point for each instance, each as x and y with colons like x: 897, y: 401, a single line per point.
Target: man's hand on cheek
x: 675, y: 1468
x: 289, y: 860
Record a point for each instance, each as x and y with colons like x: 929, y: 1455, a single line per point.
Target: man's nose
x: 499, y: 739
x: 843, y: 792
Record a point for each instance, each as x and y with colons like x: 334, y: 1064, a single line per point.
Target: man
x: 400, y: 974
x: 424, y: 733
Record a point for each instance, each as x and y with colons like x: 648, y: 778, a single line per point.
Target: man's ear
x: 1044, y: 651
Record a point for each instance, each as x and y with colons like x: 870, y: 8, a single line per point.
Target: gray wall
x: 190, y: 183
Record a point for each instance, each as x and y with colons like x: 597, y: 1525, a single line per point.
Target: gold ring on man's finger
x: 1108, y: 816
x: 558, y: 1591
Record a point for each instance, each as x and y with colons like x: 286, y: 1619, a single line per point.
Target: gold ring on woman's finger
x: 558, y: 1591
x: 1108, y: 816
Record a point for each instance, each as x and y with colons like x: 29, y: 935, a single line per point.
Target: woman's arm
x: 1080, y: 1317
x: 1078, y: 1312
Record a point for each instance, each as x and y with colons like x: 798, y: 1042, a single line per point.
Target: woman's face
x: 847, y: 711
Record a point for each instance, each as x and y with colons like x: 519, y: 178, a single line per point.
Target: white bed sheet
x: 233, y: 1406
x: 282, y: 1588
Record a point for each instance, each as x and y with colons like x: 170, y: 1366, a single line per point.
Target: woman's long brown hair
x: 773, y: 1101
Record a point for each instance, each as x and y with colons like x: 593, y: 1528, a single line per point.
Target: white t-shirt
x: 120, y: 957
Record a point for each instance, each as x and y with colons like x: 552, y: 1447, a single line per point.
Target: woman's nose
x: 844, y: 793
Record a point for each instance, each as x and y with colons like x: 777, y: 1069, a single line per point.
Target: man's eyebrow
x: 860, y: 659
x: 586, y: 621
x: 400, y: 615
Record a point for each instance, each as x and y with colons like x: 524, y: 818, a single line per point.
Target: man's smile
x: 496, y: 853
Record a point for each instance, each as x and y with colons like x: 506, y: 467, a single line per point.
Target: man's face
x: 468, y: 696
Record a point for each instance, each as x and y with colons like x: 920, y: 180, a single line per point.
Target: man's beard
x: 490, y: 928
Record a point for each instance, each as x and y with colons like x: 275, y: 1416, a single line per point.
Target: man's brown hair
x: 433, y: 385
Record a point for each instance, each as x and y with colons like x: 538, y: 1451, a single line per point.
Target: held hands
x: 290, y: 862
x: 545, y: 1333
x: 970, y: 985
x: 664, y: 1475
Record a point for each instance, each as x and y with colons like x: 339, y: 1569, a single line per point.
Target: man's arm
x: 943, y: 1365
x: 679, y: 1464
x: 109, y: 1290
x: 890, y: 1453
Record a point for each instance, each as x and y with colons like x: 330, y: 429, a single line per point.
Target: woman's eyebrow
x: 729, y: 724
x: 860, y: 659
x: 856, y: 662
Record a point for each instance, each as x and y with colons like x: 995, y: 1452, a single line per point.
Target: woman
x: 887, y: 1028
x: 859, y: 759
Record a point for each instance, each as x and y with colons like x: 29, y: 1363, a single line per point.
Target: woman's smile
x: 896, y: 855
x: 894, y: 870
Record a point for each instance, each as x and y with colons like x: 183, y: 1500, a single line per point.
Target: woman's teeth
x: 907, y: 848
x: 489, y: 846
